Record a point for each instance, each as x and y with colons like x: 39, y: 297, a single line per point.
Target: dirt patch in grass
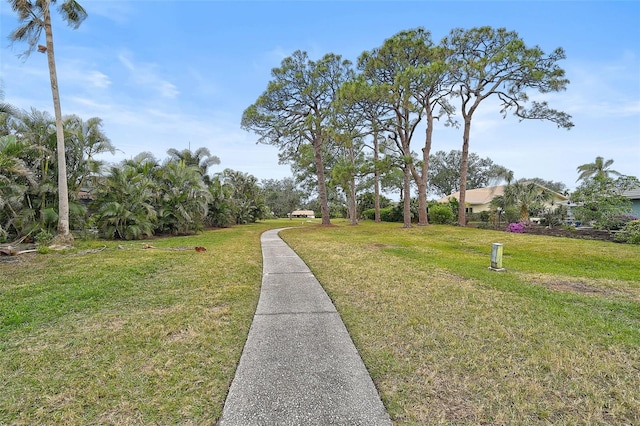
x: 575, y: 287
x: 380, y: 246
x: 571, y: 286
x: 590, y: 287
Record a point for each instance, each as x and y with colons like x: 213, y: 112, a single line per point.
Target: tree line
x: 347, y: 124
x: 136, y: 198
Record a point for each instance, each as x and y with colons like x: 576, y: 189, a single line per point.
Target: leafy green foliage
x: 444, y: 172
x: 387, y: 214
x: 488, y: 62
x: 600, y: 198
x: 528, y: 197
x: 182, y: 199
x: 391, y: 214
x: 281, y: 197
x: 366, y: 202
x: 221, y: 209
x: 411, y: 72
x: 83, y: 141
x: 599, y: 169
x: 125, y: 205
x: 615, y: 222
x: 295, y: 110
x: 630, y: 233
x: 441, y: 214
x: 246, y: 195
x: 34, y: 17
x: 201, y: 158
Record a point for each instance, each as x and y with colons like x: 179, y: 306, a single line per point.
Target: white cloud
x: 116, y: 11
x: 99, y: 80
x: 145, y: 75
x: 204, y: 84
x: 167, y: 90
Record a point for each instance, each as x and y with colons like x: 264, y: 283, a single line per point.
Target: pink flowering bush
x: 517, y: 227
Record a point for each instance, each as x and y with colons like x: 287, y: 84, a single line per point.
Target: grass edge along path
x: 554, y: 340
x: 137, y: 332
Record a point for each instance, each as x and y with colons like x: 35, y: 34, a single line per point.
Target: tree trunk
x: 376, y: 177
x: 462, y: 217
x: 322, y: 186
x: 63, y: 193
x: 353, y: 207
x: 422, y: 203
x: 422, y: 178
x: 407, y: 196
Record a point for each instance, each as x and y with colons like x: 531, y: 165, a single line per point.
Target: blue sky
x: 179, y: 74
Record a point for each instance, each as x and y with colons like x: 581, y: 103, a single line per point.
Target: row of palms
x: 136, y: 198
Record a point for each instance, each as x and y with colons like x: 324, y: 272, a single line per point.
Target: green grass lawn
x: 553, y: 340
x: 114, y: 333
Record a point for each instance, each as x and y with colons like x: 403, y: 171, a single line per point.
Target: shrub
x: 615, y: 222
x: 391, y: 214
x: 43, y: 238
x: 511, y: 214
x: 486, y: 225
x: 517, y: 227
x: 385, y: 214
x: 630, y: 233
x: 369, y: 214
x: 441, y: 214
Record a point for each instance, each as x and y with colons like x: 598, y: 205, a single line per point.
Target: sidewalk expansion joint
x: 287, y: 273
x: 269, y: 314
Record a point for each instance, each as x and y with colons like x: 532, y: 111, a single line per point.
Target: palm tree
x: 220, y: 209
x: 15, y: 179
x: 36, y: 129
x: 144, y: 163
x: 85, y: 139
x: 598, y: 169
x: 124, y: 203
x: 525, y: 196
x: 35, y: 16
x: 201, y: 158
x: 183, y: 199
x: 5, y: 108
x: 245, y: 194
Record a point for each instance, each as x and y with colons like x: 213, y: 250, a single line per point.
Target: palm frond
x: 73, y: 13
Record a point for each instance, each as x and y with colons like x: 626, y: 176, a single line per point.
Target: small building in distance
x: 302, y: 213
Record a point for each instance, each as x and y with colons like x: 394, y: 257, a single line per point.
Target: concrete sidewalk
x: 299, y: 365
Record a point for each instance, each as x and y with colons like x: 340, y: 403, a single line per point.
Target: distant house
x: 479, y: 200
x: 85, y: 196
x: 302, y: 213
x: 634, y: 196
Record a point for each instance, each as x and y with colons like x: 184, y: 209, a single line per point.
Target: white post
x: 496, y: 257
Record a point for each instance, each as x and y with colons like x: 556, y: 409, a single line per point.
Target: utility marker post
x: 496, y: 257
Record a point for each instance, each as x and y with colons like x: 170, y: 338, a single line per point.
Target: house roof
x: 481, y: 196
x: 478, y: 195
x: 634, y: 194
